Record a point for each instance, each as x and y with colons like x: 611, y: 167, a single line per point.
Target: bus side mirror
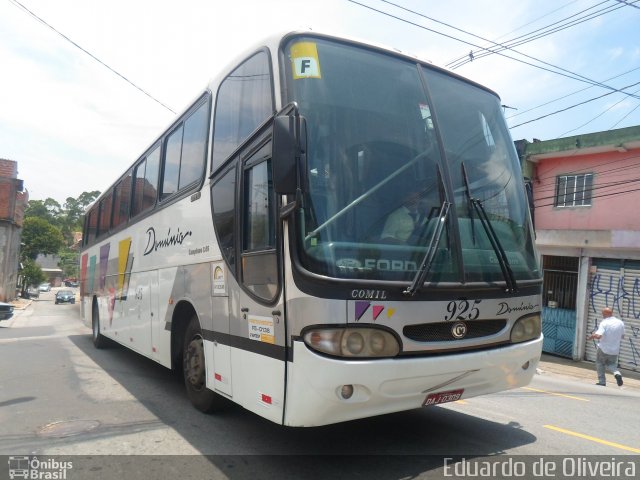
x: 289, y: 142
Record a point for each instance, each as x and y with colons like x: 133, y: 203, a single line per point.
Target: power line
x: 597, y: 116
x: 535, y: 20
x: 464, y: 57
x: 628, y: 4
x: 569, y: 95
x: 595, y: 196
x: 591, y: 167
x: 20, y: 5
x: 570, y: 107
x: 572, y: 75
x: 529, y: 37
x: 592, y: 189
x: 550, y: 186
x: 632, y: 110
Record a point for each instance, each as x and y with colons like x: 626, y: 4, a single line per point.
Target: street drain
x: 67, y: 428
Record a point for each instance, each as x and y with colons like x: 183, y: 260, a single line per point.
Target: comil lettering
x: 363, y: 294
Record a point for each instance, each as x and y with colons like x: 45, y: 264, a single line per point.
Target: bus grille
x: 441, y: 332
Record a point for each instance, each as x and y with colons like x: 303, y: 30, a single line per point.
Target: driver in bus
x: 405, y: 222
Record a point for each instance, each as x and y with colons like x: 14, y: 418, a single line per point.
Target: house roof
x: 48, y: 262
x: 620, y: 140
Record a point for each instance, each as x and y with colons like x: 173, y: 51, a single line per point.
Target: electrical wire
x: 595, y: 196
x: 632, y: 110
x: 569, y: 74
x: 570, y: 107
x: 592, y: 189
x: 529, y: 37
x: 596, y: 117
x: 592, y: 167
x: 568, y: 95
x: 21, y: 6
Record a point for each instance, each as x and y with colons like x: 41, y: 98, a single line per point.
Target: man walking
x: 609, y: 333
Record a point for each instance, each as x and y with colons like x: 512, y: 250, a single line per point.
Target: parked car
x: 45, y: 287
x: 6, y: 311
x: 65, y: 296
x: 33, y: 292
x: 71, y: 283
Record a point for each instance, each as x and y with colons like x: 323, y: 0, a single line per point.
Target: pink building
x: 586, y: 192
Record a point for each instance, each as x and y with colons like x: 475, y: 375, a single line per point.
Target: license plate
x: 442, y: 397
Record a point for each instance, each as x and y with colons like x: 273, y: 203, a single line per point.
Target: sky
x: 74, y: 124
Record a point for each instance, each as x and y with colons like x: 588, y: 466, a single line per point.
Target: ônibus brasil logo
x: 33, y: 468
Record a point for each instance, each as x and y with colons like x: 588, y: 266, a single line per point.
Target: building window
x: 574, y: 190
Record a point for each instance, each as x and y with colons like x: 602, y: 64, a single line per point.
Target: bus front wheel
x: 194, y: 369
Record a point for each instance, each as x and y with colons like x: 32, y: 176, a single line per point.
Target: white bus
x: 262, y: 242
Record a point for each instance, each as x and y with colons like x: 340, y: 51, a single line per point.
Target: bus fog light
x: 346, y: 392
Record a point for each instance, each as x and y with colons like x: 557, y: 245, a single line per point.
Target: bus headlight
x: 352, y: 342
x: 526, y: 328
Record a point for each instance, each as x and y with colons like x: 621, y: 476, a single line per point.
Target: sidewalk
x: 584, y: 371
x: 21, y: 303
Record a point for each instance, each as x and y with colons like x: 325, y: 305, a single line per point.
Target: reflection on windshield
x: 372, y: 194
x: 474, y: 134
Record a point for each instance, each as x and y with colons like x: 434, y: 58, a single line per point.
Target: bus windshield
x: 389, y: 142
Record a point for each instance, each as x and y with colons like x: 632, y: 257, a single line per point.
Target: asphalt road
x: 60, y: 396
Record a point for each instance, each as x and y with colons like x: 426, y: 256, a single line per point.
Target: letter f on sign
x: 306, y: 67
x: 306, y: 63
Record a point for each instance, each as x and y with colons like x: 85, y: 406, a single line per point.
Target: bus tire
x: 99, y: 340
x: 194, y: 370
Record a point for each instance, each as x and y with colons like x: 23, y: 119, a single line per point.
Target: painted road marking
x: 593, y: 439
x: 556, y: 394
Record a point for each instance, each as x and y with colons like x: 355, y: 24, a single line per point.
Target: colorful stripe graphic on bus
x: 362, y: 307
x: 83, y: 274
x: 124, y: 267
x: 92, y: 274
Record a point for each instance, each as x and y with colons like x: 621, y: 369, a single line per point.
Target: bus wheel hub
x: 194, y: 363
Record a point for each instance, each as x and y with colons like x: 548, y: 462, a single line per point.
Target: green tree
x: 39, y: 236
x: 44, y: 209
x: 68, y: 263
x: 72, y: 213
x: 32, y: 273
x: 67, y: 218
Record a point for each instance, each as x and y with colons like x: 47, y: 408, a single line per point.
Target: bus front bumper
x: 316, y: 383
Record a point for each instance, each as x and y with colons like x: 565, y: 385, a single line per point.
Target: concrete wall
x: 9, y: 256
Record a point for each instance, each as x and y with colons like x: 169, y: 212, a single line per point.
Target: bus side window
x: 259, y: 259
x: 121, y: 201
x: 244, y: 101
x: 185, y: 152
x: 145, y: 182
x: 223, y: 195
x: 92, y: 226
x: 104, y: 222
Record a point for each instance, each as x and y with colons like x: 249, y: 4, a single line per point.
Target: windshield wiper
x: 432, y: 250
x: 505, y: 267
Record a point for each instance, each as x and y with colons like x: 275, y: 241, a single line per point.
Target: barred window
x: 574, y: 190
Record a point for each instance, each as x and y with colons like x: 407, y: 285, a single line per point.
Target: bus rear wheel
x: 99, y: 341
x: 195, y: 371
